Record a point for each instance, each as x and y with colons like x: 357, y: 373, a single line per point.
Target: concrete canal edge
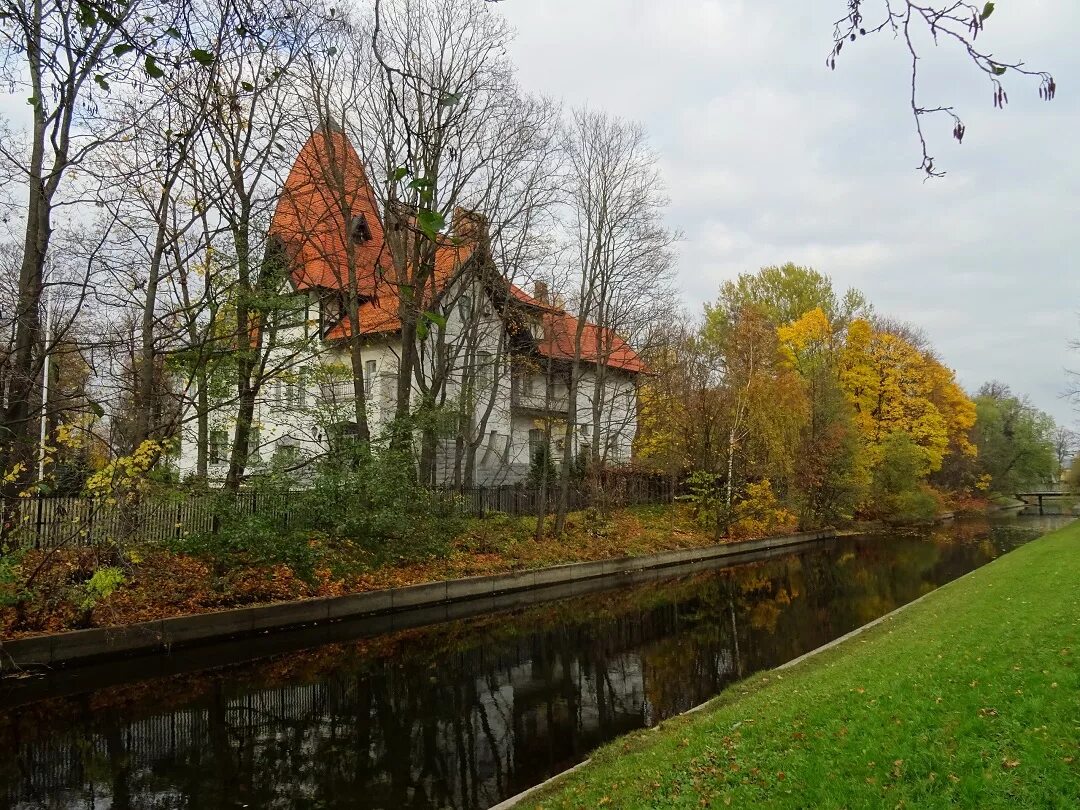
x: 513, y: 801
x: 83, y: 646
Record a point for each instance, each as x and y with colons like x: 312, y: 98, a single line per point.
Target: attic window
x: 359, y: 230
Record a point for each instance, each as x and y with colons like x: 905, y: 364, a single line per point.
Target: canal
x: 463, y: 714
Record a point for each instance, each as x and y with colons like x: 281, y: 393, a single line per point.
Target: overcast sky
x: 771, y: 158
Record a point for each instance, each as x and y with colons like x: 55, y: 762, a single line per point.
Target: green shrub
x: 101, y: 585
x: 11, y: 578
x: 897, y: 490
x: 707, y: 495
x: 915, y: 506
x: 359, y: 511
x: 541, y: 468
x: 259, y: 539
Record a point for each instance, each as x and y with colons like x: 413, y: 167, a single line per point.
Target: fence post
x: 482, y: 495
x: 40, y: 522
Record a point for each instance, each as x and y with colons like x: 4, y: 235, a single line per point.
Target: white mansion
x: 505, y: 354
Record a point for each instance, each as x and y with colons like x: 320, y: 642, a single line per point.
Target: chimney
x: 540, y: 291
x: 469, y: 226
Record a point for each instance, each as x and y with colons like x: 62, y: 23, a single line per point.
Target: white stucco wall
x: 284, y: 416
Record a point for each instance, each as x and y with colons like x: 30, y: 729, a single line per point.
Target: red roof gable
x: 324, y: 193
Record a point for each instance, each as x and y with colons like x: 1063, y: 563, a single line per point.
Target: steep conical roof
x: 324, y: 196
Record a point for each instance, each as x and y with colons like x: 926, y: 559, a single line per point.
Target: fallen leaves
x: 162, y: 584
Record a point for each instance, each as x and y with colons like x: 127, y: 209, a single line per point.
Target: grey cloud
x: 769, y: 157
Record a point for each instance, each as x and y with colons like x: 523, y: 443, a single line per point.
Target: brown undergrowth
x: 158, y: 583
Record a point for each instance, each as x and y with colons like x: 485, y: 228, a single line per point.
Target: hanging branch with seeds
x: 958, y: 22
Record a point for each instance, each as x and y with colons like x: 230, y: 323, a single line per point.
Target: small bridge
x: 1049, y: 494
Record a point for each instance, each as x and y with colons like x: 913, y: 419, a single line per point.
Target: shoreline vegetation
x: 162, y: 583
x: 965, y: 698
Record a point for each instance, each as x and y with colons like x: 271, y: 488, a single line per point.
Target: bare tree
x: 440, y: 78
x: 159, y: 215
x: 255, y: 103
x: 615, y: 225
x: 952, y: 22
x: 1066, y: 445
x: 61, y: 56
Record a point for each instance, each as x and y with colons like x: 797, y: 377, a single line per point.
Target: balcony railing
x: 539, y: 402
x: 342, y: 391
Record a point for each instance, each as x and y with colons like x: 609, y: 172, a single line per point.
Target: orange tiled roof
x: 524, y: 297
x: 324, y: 192
x: 326, y: 189
x: 597, y: 343
x: 380, y: 314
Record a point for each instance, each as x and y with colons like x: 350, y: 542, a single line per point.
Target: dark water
x: 466, y: 713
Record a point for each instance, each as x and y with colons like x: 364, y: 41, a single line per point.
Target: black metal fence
x: 518, y: 500
x: 48, y: 522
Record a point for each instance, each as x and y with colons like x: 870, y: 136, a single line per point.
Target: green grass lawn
x: 970, y: 698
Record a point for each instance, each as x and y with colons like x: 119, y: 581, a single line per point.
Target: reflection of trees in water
x: 463, y: 725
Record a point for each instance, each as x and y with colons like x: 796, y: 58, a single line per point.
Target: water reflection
x: 464, y: 714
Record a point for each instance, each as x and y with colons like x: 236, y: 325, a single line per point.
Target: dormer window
x: 359, y: 230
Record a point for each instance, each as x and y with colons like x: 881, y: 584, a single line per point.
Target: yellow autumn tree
x: 805, y: 342
x: 955, y: 406
x: 831, y: 472
x: 659, y: 438
x: 894, y: 387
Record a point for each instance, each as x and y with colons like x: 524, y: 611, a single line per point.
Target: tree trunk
x: 363, y: 432
x: 202, y: 415
x: 429, y: 447
x: 246, y: 353
x: 401, y: 433
x: 17, y: 445
x: 144, y: 396
x: 568, y: 444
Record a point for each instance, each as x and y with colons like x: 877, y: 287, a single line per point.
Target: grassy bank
x: 968, y: 698
x: 158, y: 582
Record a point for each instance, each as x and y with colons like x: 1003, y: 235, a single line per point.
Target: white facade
x: 515, y: 398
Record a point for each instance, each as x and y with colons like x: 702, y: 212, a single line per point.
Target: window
x: 295, y: 389
x: 612, y: 444
x: 342, y: 435
x: 485, y: 373
x: 217, y: 446
x: 359, y: 230
x: 254, y: 446
x: 536, y: 442
x: 286, y: 453
x: 369, y: 377
x: 465, y: 307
